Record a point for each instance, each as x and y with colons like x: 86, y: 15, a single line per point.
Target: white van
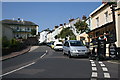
x: 58, y: 46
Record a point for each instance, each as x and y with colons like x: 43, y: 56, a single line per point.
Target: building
x: 43, y: 36
x: 7, y: 32
x: 22, y: 29
x: 104, y: 25
x: 118, y: 26
x: 52, y: 34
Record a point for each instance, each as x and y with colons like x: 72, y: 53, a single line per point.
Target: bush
x: 5, y: 42
x: 14, y: 43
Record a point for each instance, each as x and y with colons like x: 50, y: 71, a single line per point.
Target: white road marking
x: 100, y: 62
x: 93, y: 64
x: 93, y: 78
x: 94, y: 74
x: 106, y: 75
x: 46, y: 51
x: 102, y: 65
x: 17, y: 69
x: 91, y: 60
x: 43, y: 54
x: 23, y: 66
x: 104, y: 69
x: 94, y: 68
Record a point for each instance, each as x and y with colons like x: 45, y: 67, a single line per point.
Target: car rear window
x: 58, y: 44
x: 76, y: 43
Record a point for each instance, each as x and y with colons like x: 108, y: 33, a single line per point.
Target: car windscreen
x: 59, y: 45
x: 76, y: 43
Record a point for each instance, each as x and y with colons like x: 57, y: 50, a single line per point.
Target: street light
x: 112, y: 6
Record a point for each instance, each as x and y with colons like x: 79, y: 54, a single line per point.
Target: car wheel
x: 64, y: 53
x: 69, y: 55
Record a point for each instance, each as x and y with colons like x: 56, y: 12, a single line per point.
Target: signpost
x: 112, y: 51
x: 101, y: 49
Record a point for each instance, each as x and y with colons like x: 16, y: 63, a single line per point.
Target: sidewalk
x: 14, y: 54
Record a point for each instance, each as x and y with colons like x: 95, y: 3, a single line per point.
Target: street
x: 44, y: 62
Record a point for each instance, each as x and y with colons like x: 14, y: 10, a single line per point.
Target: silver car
x: 75, y: 48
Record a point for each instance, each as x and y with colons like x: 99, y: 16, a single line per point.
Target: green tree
x: 82, y: 26
x: 65, y: 33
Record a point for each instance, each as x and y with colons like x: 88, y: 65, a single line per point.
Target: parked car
x: 52, y: 44
x: 75, y: 48
x: 58, y: 46
x: 49, y: 44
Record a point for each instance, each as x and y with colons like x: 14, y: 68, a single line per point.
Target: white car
x: 58, y: 46
x: 75, y: 48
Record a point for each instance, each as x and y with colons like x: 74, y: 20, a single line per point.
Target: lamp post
x: 112, y: 6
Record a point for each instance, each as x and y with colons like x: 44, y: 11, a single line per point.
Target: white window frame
x: 106, y: 16
x: 97, y: 21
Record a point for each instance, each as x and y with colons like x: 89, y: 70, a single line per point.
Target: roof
x: 5, y: 26
x: 18, y: 22
x: 96, y: 10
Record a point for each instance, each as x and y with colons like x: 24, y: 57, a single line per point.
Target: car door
x: 67, y: 47
x: 64, y: 47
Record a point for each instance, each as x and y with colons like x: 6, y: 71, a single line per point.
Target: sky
x: 47, y: 14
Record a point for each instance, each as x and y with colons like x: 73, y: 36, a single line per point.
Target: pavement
x: 14, y: 54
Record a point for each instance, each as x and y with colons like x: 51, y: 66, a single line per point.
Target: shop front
x: 106, y: 32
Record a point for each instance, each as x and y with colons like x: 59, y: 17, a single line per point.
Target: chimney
x: 64, y: 23
x: 71, y: 20
x: 84, y: 17
x: 56, y: 27
x: 18, y: 18
x: 61, y: 24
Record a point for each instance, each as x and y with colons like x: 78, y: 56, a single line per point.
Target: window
x: 59, y: 45
x: 18, y: 28
x: 28, y: 28
x: 106, y: 16
x: 66, y: 44
x: 97, y: 21
x: 76, y: 43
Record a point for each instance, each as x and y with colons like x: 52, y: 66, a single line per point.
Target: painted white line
x: 106, y: 75
x: 17, y: 69
x: 104, y: 69
x: 94, y: 69
x: 100, y: 62
x: 46, y: 51
x: 93, y: 78
x: 94, y: 74
x: 44, y: 54
x: 93, y: 64
x: 102, y: 65
x: 91, y: 60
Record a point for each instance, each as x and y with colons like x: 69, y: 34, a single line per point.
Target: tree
x: 82, y: 26
x: 66, y: 32
x: 33, y: 31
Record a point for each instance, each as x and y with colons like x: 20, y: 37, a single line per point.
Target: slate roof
x: 18, y: 22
